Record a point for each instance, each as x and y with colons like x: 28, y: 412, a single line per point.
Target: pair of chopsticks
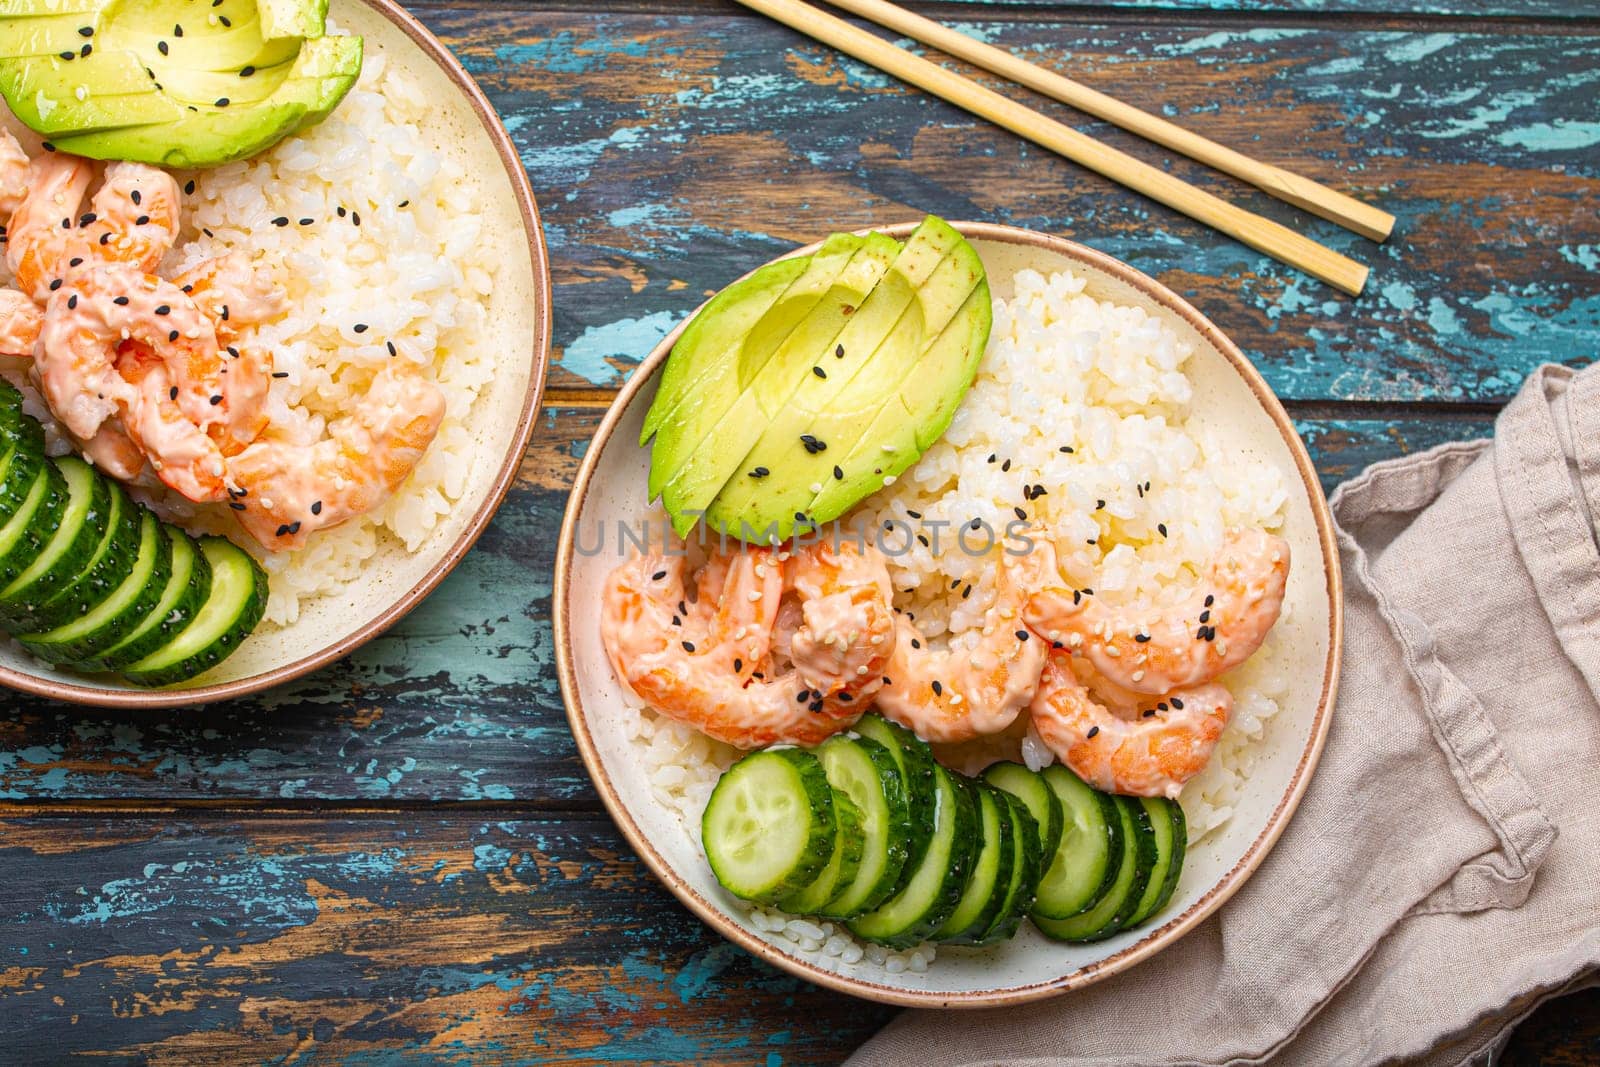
x: 1259, y: 233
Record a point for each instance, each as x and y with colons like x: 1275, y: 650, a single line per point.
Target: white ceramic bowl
x: 1232, y: 401
x: 462, y: 123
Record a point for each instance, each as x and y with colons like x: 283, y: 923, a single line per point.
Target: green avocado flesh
x: 175, y: 83
x: 792, y: 396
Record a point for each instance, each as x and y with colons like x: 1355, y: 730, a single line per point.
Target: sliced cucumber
x: 915, y: 761
x: 1088, y: 857
x: 237, y: 599
x: 768, y: 828
x: 1114, y: 909
x: 118, y: 614
x: 102, y: 574
x: 35, y: 522
x: 934, y: 887
x: 842, y: 865
x: 868, y: 774
x: 17, y: 469
x: 1171, y: 841
x: 187, y: 588
x: 17, y: 426
x: 989, y: 885
x: 72, y: 545
x: 1024, y: 874
x: 1036, y: 795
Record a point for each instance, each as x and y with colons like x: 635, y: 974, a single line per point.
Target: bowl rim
x: 522, y: 191
x: 1155, y: 939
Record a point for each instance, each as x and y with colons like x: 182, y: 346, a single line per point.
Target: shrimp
x: 965, y: 691
x: 1147, y: 752
x: 13, y: 173
x: 284, y: 491
x: 95, y: 312
x: 20, y: 320
x: 232, y: 292
x: 132, y: 219
x: 183, y: 456
x: 1157, y: 650
x: 113, y: 451
x: 710, y: 664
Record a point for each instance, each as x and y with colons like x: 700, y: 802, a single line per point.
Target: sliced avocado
x: 823, y: 419
x: 171, y: 82
x: 909, y: 422
x: 714, y: 460
x: 323, y: 71
x: 730, y: 345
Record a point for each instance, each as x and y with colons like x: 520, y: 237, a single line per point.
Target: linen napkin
x: 1442, y: 874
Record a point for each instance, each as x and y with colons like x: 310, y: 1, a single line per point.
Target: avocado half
x: 174, y: 83
x: 810, y: 385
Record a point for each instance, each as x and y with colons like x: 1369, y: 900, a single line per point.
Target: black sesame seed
x: 142, y: 220
x: 838, y: 473
x: 177, y: 30
x: 47, y: 146
x: 1099, y: 505
x: 688, y: 646
x: 991, y: 457
x: 136, y: 197
x: 966, y: 592
x: 816, y: 705
x: 800, y: 517
x: 844, y: 698
x: 224, y: 313
x: 1177, y: 702
x: 1022, y: 635
x: 1022, y: 515
x: 225, y: 20
x: 85, y: 50
x: 360, y: 327
x: 1006, y: 465
x: 677, y: 621
x: 172, y: 335
x: 72, y: 301
x: 280, y: 374
x: 938, y: 690
x: 342, y: 212
x: 838, y: 351
x: 234, y: 352
x: 236, y: 506
x: 281, y: 220
x: 105, y: 238
x: 1093, y: 730
x: 1087, y: 591
x: 307, y: 222
x: 188, y: 187
x: 1039, y: 491
x: 760, y: 472
x: 75, y: 261
x: 55, y: 284
x: 914, y: 514
x: 163, y: 309
x: 819, y: 372
x: 1089, y: 541
x: 1205, y: 616
x: 1210, y: 600
x: 120, y: 301
x: 390, y: 346
x: 924, y: 541
x: 173, y: 392
x: 66, y: 224
x: 355, y: 217
x: 282, y: 530
x: 1057, y: 644
x: 222, y: 101
x: 1141, y: 638
x: 977, y: 524
x: 1068, y: 449
x: 1149, y: 713
x: 215, y: 400
x: 85, y: 31
x: 915, y: 643
x: 207, y: 232
x: 738, y: 665
x: 246, y: 71
x: 802, y: 696
x: 1200, y: 634
x: 316, y: 507
x: 1077, y: 596
x: 1161, y: 528
x: 294, y: 527
x: 69, y: 56
x: 161, y: 46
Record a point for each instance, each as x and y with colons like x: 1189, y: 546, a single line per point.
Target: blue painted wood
x: 672, y: 153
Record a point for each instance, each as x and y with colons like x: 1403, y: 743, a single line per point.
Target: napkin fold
x: 1442, y: 874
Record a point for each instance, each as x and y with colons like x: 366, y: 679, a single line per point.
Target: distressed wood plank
x: 222, y: 941
x: 457, y: 703
x: 672, y: 153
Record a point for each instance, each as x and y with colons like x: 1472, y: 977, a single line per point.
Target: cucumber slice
x: 236, y: 602
x: 36, y: 520
x: 768, y: 828
x: 102, y: 575
x: 989, y: 886
x: 17, y: 469
x: 867, y: 773
x: 187, y: 588
x: 117, y: 615
x: 1088, y: 857
x: 1112, y: 912
x: 1171, y: 840
x: 842, y: 865
x: 915, y: 761
x: 1036, y: 795
x: 17, y: 426
x: 71, y: 546
x: 934, y: 887
x: 1024, y: 874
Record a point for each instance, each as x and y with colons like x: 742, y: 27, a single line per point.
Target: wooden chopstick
x: 1300, y: 191
x: 1262, y: 234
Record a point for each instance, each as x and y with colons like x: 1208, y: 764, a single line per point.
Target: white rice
x: 1062, y: 370
x: 414, y: 276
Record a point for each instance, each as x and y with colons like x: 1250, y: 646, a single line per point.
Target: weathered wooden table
x: 402, y: 854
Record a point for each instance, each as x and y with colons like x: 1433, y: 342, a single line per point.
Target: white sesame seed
x: 1138, y: 676
x: 1112, y: 650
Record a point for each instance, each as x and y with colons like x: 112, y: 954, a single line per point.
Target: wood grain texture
x: 358, y: 941
x: 458, y: 703
x: 672, y: 153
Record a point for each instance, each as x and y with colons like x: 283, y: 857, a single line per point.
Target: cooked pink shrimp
x: 1146, y: 751
x: 96, y: 311
x: 20, y: 320
x: 284, y: 491
x: 132, y: 219
x: 183, y: 456
x: 709, y: 664
x: 964, y: 691
x: 232, y: 292
x: 113, y: 452
x: 43, y: 235
x: 1157, y: 650
x: 13, y: 174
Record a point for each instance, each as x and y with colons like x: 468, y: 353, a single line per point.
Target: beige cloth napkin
x: 1442, y: 875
